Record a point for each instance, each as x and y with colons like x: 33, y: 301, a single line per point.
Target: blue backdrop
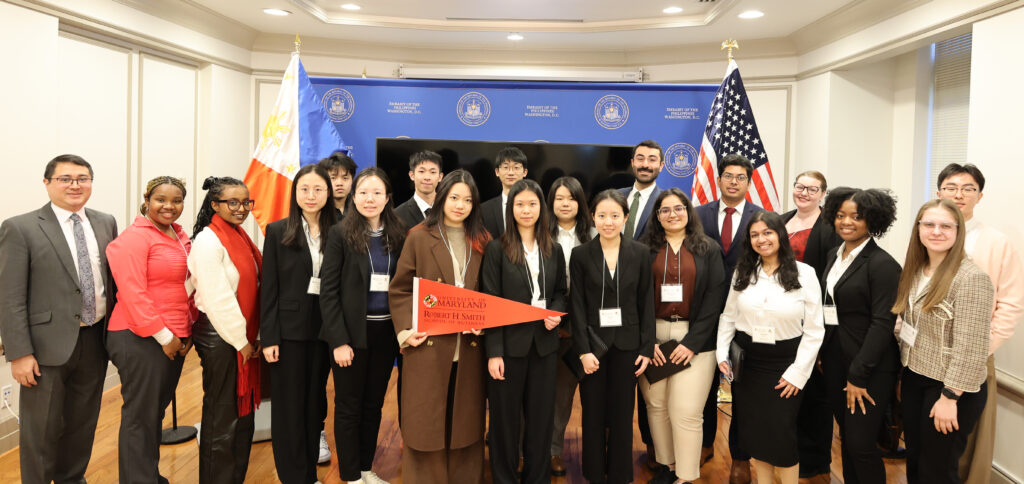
x: 674, y: 115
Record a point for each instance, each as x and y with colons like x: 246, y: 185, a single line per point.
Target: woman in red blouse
x: 151, y: 326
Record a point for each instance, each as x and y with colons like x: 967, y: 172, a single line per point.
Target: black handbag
x: 736, y: 354
x: 658, y: 373
x: 572, y: 360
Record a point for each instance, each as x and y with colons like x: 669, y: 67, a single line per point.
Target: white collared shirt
x: 533, y: 266
x: 841, y: 265
x: 313, y: 244
x: 421, y: 203
x: 504, y: 202
x: 68, y: 228
x: 567, y: 239
x: 645, y: 195
x: 736, y: 216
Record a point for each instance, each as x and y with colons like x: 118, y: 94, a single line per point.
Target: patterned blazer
x: 953, y: 338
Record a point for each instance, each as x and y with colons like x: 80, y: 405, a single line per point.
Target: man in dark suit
x: 56, y: 292
x: 726, y: 221
x: 425, y: 173
x: 509, y: 167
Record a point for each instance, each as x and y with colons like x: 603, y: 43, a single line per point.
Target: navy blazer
x: 708, y: 214
x: 287, y: 310
x: 645, y: 214
x: 493, y: 220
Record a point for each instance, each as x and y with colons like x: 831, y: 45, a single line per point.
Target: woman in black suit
x: 359, y: 263
x: 290, y: 322
x: 613, y: 313
x: 860, y: 357
x: 527, y: 266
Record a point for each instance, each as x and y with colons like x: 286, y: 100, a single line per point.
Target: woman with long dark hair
x: 225, y: 270
x: 946, y: 304
x: 773, y: 313
x: 442, y: 429
x: 360, y: 261
x: 690, y: 284
x: 613, y: 327
x: 151, y: 327
x: 571, y: 226
x: 524, y: 265
x: 290, y: 325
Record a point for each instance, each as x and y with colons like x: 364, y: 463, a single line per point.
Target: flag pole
x: 729, y: 44
x: 298, y: 43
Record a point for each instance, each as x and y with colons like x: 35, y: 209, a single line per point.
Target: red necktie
x: 727, y: 229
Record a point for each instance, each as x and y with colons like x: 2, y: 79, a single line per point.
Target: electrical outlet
x: 7, y: 391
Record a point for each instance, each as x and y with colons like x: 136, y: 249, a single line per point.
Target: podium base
x: 178, y: 435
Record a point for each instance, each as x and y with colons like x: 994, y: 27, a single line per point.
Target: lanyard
x: 469, y: 255
x: 529, y: 275
x: 370, y: 256
x: 679, y: 268
x: 618, y: 270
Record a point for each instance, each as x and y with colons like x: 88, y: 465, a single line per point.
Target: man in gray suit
x: 56, y: 292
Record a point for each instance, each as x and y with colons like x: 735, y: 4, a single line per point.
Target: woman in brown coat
x: 443, y: 398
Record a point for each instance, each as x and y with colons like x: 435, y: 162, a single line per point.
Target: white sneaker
x: 325, y: 451
x: 369, y: 477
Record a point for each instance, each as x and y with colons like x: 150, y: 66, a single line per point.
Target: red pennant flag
x: 444, y: 309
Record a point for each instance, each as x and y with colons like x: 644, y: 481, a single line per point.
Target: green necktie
x: 631, y: 220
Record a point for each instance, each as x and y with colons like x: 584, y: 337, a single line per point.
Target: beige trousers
x: 976, y: 461
x: 675, y: 406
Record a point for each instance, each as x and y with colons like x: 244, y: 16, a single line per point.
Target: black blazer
x: 864, y: 296
x: 636, y: 296
x: 344, y: 286
x: 645, y: 211
x: 708, y: 214
x: 410, y: 213
x: 499, y: 277
x: 710, y: 287
x: 287, y: 310
x: 823, y: 239
x: 494, y: 222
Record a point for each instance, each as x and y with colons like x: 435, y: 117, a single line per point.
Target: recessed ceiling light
x: 672, y: 10
x: 276, y: 12
x: 749, y: 14
x: 514, y: 36
x: 351, y: 6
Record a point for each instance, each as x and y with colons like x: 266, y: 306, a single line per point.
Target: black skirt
x: 767, y: 422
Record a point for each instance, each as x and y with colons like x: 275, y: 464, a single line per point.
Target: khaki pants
x: 675, y: 406
x: 976, y: 461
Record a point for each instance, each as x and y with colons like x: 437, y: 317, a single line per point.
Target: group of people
x: 804, y: 313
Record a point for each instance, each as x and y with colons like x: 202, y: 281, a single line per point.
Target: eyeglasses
x: 235, y: 204
x: 511, y: 167
x: 967, y: 190
x: 67, y: 180
x: 944, y: 227
x: 731, y: 177
x: 315, y: 191
x: 666, y: 211
x: 797, y: 188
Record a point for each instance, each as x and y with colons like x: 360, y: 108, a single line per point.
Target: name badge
x: 831, y: 316
x: 539, y: 303
x: 314, y: 286
x: 611, y: 317
x: 764, y: 334
x: 671, y: 293
x: 379, y: 282
x: 908, y: 334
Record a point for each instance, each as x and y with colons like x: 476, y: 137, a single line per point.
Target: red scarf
x: 248, y: 261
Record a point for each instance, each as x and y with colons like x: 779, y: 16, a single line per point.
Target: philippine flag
x: 298, y: 133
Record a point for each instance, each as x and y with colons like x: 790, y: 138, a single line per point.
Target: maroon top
x: 798, y: 240
x: 682, y: 261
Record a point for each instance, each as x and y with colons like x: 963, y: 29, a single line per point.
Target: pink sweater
x: 991, y: 250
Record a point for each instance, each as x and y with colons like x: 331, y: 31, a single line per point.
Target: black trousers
x: 641, y: 419
x: 359, y: 391
x: 59, y: 414
x: 224, y: 438
x: 148, y: 381
x: 931, y: 455
x: 607, y: 400
x: 711, y: 422
x: 523, y: 401
x: 298, y: 386
x: 814, y: 433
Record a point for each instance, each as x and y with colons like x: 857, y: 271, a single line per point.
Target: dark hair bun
x: 209, y: 182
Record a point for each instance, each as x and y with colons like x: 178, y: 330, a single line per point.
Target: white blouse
x: 791, y: 314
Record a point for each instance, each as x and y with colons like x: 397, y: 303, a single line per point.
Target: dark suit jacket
x: 645, y: 213
x: 287, y: 310
x: 823, y: 239
x: 710, y: 287
x: 864, y: 296
x: 493, y: 219
x: 410, y: 213
x: 345, y: 284
x: 499, y: 277
x: 40, y: 297
x: 636, y: 296
x: 708, y: 214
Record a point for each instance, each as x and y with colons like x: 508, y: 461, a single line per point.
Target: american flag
x: 731, y: 130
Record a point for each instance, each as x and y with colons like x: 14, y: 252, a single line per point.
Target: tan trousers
x: 976, y: 461
x: 675, y: 406
x: 447, y: 466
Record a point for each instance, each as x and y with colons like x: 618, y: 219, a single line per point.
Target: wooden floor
x: 179, y: 463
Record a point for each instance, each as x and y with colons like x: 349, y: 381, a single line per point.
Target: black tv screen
x: 597, y: 167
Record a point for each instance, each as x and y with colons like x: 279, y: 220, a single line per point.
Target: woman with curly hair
x: 859, y: 357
